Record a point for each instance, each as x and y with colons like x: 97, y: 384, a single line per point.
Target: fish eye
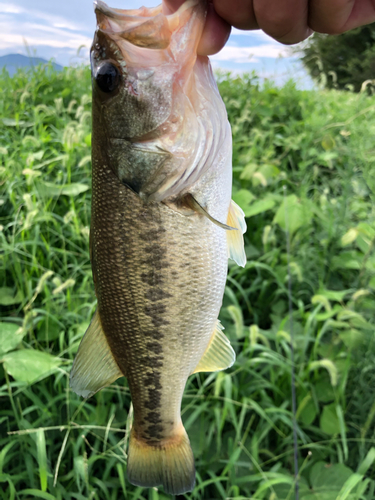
x: 107, y: 77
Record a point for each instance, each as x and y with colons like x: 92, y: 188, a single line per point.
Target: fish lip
x: 103, y: 8
x: 112, y: 13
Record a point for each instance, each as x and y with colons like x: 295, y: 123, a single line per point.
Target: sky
x: 58, y: 29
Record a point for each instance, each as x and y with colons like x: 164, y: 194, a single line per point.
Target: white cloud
x: 9, y: 8
x: 40, y: 29
x: 251, y: 54
x: 60, y: 22
x: 259, y: 34
x: 11, y: 40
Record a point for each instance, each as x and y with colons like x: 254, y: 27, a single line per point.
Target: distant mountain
x: 13, y: 61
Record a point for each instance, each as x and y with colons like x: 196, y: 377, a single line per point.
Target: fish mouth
x: 122, y: 14
x: 144, y: 27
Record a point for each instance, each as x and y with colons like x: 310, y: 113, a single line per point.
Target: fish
x: 162, y: 228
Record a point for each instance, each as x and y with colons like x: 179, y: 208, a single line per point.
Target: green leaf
x: 328, y: 314
x: 259, y: 206
x: 28, y: 365
x: 367, y: 462
x: 329, y: 422
x: 328, y: 142
x: 326, y: 476
x: 349, y: 485
x: 347, y: 260
x: 42, y: 458
x: 11, y: 122
x: 352, y: 338
x: 336, y: 295
x: 349, y: 237
x: 269, y: 171
x: 48, y: 330
x: 50, y: 190
x: 236, y: 315
x: 323, y: 389
x: 74, y: 189
x: 248, y: 171
x: 306, y: 411
x: 340, y: 416
x: 297, y: 214
x: 87, y: 140
x: 243, y: 198
x: 286, y: 490
x: 37, y: 494
x: 10, y: 336
x: 8, y: 298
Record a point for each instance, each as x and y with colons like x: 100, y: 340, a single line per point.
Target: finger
x: 284, y: 20
x: 215, y: 33
x: 170, y: 6
x: 337, y: 16
x: 238, y: 13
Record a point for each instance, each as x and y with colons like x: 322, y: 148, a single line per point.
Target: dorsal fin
x: 219, y: 354
x: 236, y: 248
x: 94, y: 366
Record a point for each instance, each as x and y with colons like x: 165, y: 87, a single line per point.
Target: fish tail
x: 170, y: 463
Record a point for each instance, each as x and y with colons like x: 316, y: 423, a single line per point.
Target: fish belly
x: 159, y: 278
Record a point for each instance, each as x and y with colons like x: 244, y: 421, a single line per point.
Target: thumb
x: 170, y: 6
x: 216, y: 31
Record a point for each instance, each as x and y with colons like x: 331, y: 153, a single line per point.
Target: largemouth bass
x: 163, y: 226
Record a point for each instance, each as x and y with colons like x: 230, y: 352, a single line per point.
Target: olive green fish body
x: 163, y: 226
x: 159, y: 284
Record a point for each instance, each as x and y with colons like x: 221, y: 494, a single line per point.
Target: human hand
x: 287, y: 21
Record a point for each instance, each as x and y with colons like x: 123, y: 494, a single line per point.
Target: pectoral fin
x: 94, y: 366
x: 189, y: 201
x: 236, y: 248
x: 219, y: 354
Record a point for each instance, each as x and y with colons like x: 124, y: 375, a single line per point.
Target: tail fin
x: 170, y: 464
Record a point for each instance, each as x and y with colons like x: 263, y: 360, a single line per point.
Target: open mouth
x: 144, y: 27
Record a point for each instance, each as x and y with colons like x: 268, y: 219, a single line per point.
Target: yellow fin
x: 236, y: 249
x: 94, y: 366
x: 170, y: 464
x: 219, y: 354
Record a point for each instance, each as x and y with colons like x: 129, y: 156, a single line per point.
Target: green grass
x: 305, y: 157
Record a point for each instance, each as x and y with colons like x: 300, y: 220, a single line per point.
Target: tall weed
x: 305, y: 157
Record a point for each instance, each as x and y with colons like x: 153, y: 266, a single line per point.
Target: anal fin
x: 236, y: 248
x: 219, y: 354
x: 94, y: 366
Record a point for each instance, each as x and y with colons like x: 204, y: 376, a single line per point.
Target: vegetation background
x: 344, y: 61
x: 301, y: 158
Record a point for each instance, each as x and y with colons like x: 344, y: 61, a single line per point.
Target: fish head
x: 138, y: 58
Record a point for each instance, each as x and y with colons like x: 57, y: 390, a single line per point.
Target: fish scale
x: 162, y: 228
x: 133, y: 310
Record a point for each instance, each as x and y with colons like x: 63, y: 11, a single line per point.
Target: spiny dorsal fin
x: 191, y: 202
x: 236, y: 249
x: 219, y: 354
x: 94, y: 366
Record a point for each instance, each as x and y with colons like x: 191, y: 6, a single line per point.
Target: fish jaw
x: 150, y: 28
